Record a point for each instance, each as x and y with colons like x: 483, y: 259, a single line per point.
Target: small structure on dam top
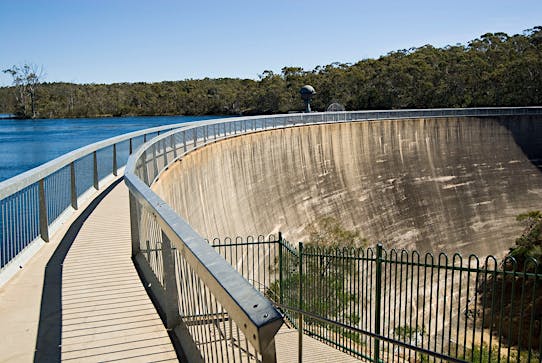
x: 307, y: 92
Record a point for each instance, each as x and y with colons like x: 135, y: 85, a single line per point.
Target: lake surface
x: 25, y: 144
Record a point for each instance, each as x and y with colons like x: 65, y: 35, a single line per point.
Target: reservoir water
x: 25, y: 144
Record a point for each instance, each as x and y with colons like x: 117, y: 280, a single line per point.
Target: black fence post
x: 378, y: 298
x: 300, y: 327
x: 281, y: 290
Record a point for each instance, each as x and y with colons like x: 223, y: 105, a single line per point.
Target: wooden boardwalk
x: 314, y: 351
x: 106, y: 312
x: 80, y: 299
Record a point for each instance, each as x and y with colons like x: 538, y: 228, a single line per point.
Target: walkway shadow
x: 48, y: 342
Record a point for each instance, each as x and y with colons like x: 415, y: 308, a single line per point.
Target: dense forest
x: 493, y: 70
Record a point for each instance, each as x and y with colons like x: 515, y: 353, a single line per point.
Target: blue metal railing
x: 34, y: 203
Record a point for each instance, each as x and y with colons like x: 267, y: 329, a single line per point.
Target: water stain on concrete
x: 431, y: 184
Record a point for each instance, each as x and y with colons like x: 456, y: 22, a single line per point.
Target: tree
x: 26, y: 79
x: 331, y: 265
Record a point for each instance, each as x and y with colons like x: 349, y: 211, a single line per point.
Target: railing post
x: 95, y: 173
x: 270, y: 354
x: 170, y: 284
x: 134, y: 224
x: 165, y: 153
x: 73, y: 186
x: 378, y: 298
x: 115, y: 168
x: 173, y: 146
x: 154, y: 163
x: 300, y: 307
x: 44, y: 222
x: 145, y: 169
x: 130, y: 147
x: 281, y: 293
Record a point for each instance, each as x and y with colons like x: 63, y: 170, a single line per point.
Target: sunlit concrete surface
x: 21, y: 297
x: 20, y: 300
x: 441, y: 184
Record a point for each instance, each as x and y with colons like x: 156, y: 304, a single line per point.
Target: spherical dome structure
x: 307, y: 91
x: 335, y: 107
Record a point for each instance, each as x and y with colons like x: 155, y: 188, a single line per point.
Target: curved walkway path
x: 106, y: 313
x: 80, y: 299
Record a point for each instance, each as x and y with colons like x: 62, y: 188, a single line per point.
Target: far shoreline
x: 112, y: 116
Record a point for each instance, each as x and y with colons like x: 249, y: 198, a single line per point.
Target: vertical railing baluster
x: 300, y: 325
x: 44, y: 223
x: 115, y: 169
x: 165, y: 154
x: 95, y: 173
x: 73, y: 186
x: 154, y: 162
x: 281, y: 276
x: 134, y: 224
x: 173, y: 146
x: 170, y: 283
x: 378, y: 292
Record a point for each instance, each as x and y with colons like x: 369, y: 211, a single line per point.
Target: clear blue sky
x: 106, y: 41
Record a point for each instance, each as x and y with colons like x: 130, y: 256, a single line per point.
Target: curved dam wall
x: 443, y: 184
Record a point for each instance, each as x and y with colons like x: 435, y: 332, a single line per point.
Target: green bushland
x: 495, y: 69
x: 484, y: 355
x: 513, y: 296
x: 326, y: 279
x: 478, y: 354
x: 529, y: 244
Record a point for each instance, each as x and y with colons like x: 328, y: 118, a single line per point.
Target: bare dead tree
x: 26, y: 80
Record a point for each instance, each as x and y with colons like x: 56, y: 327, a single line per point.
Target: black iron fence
x: 396, y: 305
x: 215, y: 289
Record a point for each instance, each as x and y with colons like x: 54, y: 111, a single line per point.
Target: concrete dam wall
x: 443, y: 184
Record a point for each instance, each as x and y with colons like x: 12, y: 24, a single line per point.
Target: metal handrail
x: 255, y: 315
x: 201, y: 135
x: 31, y: 207
x: 23, y: 180
x: 33, y: 203
x: 27, y: 178
x: 149, y: 161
